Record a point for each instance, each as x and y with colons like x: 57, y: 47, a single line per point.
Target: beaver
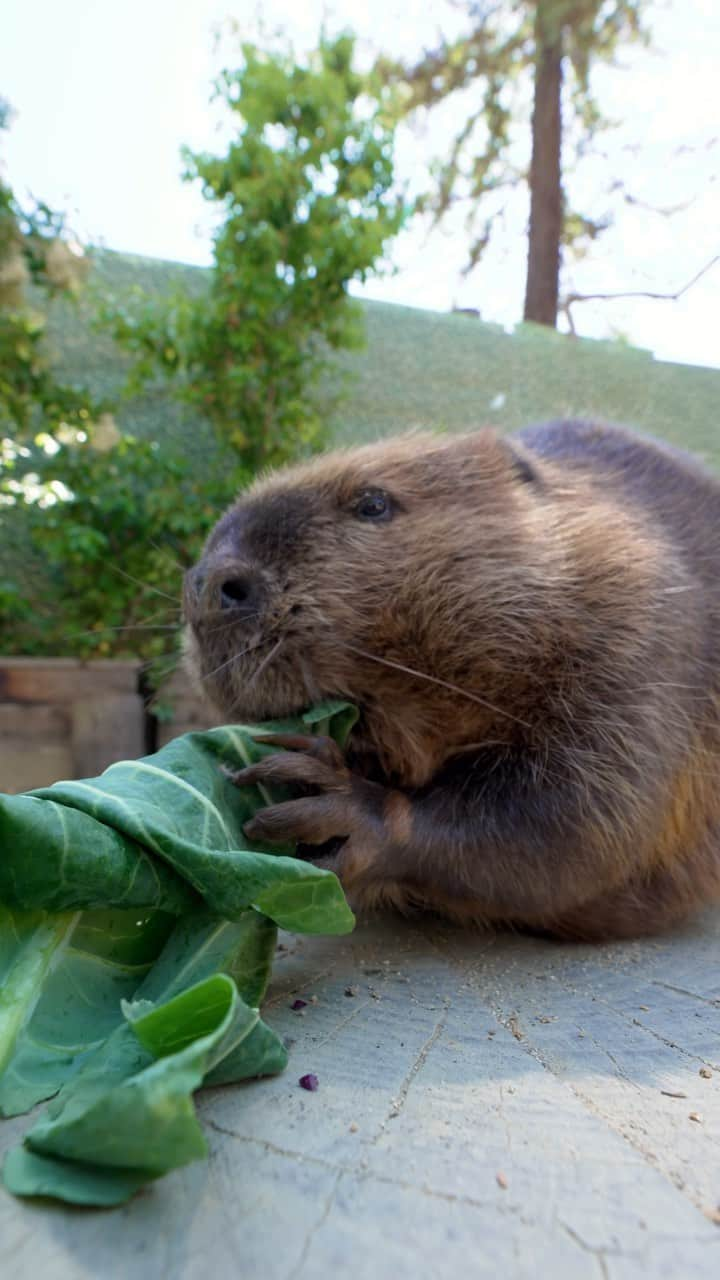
x: 530, y: 628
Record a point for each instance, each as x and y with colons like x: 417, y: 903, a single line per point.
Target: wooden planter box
x: 60, y: 718
x: 179, y: 709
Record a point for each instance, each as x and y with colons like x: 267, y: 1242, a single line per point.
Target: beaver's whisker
x: 138, y: 626
x: 164, y: 552
x: 145, y: 585
x: 229, y: 622
x: 268, y: 658
x: 162, y: 611
x: 445, y: 684
x: 265, y: 662
x: 233, y: 658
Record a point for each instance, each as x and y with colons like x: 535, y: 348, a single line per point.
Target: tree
x: 34, y: 252
x: 517, y: 51
x: 81, y: 504
x: 304, y: 190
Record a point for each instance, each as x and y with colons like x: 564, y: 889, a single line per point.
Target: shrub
x: 102, y: 538
x: 304, y: 194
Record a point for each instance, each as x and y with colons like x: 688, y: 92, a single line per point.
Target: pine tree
x: 514, y: 52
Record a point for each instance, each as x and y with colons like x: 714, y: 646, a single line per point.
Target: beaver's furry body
x: 560, y: 766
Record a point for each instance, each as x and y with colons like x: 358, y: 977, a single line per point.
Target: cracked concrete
x: 494, y: 1106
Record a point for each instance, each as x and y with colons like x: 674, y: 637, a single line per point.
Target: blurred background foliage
x: 100, y: 519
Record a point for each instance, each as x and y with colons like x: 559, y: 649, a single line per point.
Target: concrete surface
x: 487, y: 1106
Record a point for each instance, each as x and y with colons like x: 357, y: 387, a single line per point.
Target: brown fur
x: 559, y: 765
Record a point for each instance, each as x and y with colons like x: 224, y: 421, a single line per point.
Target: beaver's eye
x: 373, y: 505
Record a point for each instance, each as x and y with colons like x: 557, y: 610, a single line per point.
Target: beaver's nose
x: 236, y: 588
x: 242, y: 593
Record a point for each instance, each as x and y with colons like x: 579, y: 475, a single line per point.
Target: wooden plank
x: 64, y: 664
x: 64, y: 679
x: 106, y: 729
x: 67, y: 719
x: 25, y: 765
x: 33, y: 723
x: 35, y: 746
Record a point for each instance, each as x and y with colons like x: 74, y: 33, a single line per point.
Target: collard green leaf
x: 136, y: 935
x: 27, y: 1174
x: 57, y: 858
x: 112, y: 956
x: 99, y: 958
x: 163, y: 832
x: 126, y: 1111
x: 136, y: 1121
x: 28, y: 943
x: 262, y: 1053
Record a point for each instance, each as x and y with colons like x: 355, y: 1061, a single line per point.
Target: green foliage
x: 98, y: 524
x: 31, y: 397
x: 304, y: 190
x: 137, y: 931
x: 104, y: 542
x: 34, y: 250
x: 491, y: 68
x: 82, y: 505
x: 92, y: 1147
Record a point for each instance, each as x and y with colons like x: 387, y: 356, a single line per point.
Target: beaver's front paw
x: 340, y: 825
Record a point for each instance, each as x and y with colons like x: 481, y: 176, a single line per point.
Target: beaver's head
x: 403, y: 576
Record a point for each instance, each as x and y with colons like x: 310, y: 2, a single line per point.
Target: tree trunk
x: 546, y: 194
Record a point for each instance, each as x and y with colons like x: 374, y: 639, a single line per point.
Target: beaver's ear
x: 523, y: 465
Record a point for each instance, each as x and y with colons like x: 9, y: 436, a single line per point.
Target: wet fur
x: 570, y: 579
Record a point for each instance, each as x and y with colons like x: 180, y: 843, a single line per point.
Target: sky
x: 105, y: 95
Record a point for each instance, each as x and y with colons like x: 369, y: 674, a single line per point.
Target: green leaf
x: 72, y: 996
x: 130, y: 1117
x: 56, y: 858
x: 27, y: 1174
x: 151, y: 984
x: 79, y: 1005
x: 28, y: 943
x: 164, y: 832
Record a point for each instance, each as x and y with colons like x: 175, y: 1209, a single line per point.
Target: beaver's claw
x: 305, y: 762
x: 345, y: 811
